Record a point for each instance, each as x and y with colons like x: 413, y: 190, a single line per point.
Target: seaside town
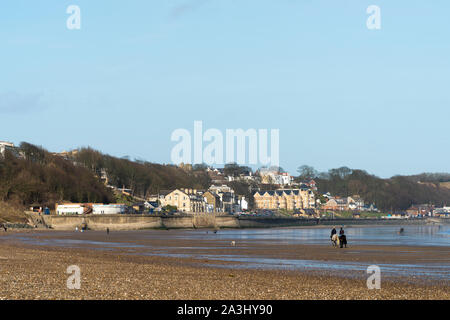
x: 300, y: 201
x: 199, y: 220
x: 285, y: 197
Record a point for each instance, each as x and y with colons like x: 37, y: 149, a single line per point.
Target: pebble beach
x: 36, y: 271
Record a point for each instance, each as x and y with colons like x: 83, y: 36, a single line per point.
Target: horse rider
x: 341, y: 232
x: 333, y: 232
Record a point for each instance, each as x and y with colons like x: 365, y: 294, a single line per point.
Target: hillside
x: 10, y: 213
x: 38, y: 177
x: 397, y: 193
x: 143, y: 178
x: 431, y: 177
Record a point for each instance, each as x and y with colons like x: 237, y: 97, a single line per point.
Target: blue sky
x: 137, y: 70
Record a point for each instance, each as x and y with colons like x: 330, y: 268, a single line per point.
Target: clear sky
x: 340, y: 94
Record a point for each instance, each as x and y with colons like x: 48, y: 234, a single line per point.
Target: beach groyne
x: 205, y: 220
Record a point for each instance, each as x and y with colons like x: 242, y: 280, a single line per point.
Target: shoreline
x: 110, y: 276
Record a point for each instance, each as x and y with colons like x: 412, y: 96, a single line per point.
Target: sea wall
x: 123, y: 222
x: 101, y: 222
x: 204, y: 220
x: 64, y: 222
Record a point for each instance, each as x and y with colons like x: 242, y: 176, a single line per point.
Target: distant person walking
x: 107, y: 230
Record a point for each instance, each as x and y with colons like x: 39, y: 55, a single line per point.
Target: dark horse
x: 3, y: 225
x: 343, y: 240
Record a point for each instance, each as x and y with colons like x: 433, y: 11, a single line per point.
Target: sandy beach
x: 120, y: 265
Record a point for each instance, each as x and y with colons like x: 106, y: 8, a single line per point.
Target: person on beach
x: 341, y: 232
x: 107, y: 230
x: 333, y: 232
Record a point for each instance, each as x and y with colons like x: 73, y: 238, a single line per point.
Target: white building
x: 242, y: 203
x: 284, y: 178
x: 275, y: 177
x: 220, y: 189
x: 4, y: 146
x: 69, y: 209
x: 108, y: 208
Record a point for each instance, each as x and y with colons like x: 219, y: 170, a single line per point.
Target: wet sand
x: 121, y: 266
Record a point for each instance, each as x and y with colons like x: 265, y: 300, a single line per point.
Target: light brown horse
x: 335, y: 240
